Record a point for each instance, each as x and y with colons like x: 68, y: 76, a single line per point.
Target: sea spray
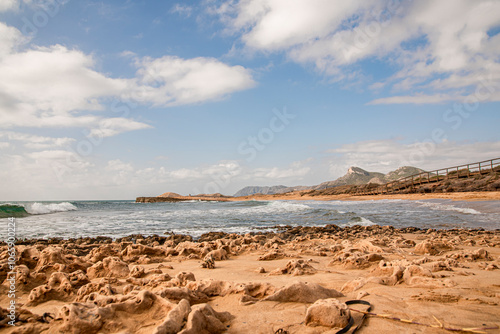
x: 41, y: 208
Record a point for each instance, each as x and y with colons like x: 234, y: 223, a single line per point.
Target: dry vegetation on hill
x: 484, y: 182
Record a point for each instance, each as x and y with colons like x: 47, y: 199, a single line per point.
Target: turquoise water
x: 120, y: 218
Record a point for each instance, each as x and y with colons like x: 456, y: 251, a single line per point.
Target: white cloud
x: 223, y: 169
x: 434, y: 45
x: 51, y: 6
x: 119, y: 171
x: 388, y: 155
x: 278, y: 173
x: 295, y: 172
x: 112, y: 126
x: 28, y: 100
x: 416, y: 99
x: 9, y: 39
x: 49, y: 174
x: 277, y: 25
x: 185, y: 173
x: 484, y: 91
x: 4, y: 145
x: 170, y: 81
x: 50, y: 155
x: 56, y: 173
x: 182, y: 10
x: 6, y: 5
x: 55, y: 169
x: 74, y: 85
x: 119, y: 166
x: 59, y: 87
x: 36, y: 142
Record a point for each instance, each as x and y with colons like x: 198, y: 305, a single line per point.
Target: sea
x: 73, y: 219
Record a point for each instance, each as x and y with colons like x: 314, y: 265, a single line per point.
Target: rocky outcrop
x: 295, y: 268
x: 301, y: 292
x: 329, y: 313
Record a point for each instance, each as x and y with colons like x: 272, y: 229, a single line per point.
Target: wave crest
x: 12, y: 210
x: 449, y: 207
x: 42, y: 209
x: 362, y: 221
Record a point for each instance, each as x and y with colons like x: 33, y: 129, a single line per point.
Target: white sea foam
x: 287, y: 206
x: 246, y: 212
x: 361, y: 202
x: 121, y: 218
x: 41, y: 209
x: 449, y: 207
x: 273, y: 207
x: 362, y: 221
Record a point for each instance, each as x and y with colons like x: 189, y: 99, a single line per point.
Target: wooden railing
x: 413, y: 181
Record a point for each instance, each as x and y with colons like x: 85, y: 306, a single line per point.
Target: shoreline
x: 214, y: 235
x: 296, y: 196
x: 259, y: 282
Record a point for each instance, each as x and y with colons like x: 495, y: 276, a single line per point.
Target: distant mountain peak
x: 357, y: 170
x: 354, y: 176
x: 402, y: 172
x: 251, y: 190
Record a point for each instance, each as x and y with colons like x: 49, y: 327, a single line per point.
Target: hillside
x: 358, y: 176
x: 485, y: 182
x: 169, y: 194
x: 402, y: 172
x: 354, y: 176
x: 250, y: 190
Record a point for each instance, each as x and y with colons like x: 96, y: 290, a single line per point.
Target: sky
x: 119, y: 99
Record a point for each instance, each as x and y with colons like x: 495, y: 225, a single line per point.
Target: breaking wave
x: 362, y: 221
x: 12, y: 210
x: 36, y: 208
x: 449, y: 207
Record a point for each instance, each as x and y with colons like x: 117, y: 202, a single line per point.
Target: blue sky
x: 118, y: 99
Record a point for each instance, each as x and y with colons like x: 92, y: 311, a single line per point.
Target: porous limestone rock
x: 301, y: 292
x: 109, y: 267
x: 329, y: 313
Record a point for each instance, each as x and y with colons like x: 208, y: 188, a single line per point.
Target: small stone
x: 362, y: 294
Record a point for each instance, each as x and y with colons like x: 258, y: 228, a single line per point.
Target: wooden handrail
x: 410, y: 181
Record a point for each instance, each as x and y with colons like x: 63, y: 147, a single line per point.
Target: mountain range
x: 354, y: 176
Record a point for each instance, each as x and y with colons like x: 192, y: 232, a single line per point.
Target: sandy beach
x: 294, y: 281
x: 298, y: 196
